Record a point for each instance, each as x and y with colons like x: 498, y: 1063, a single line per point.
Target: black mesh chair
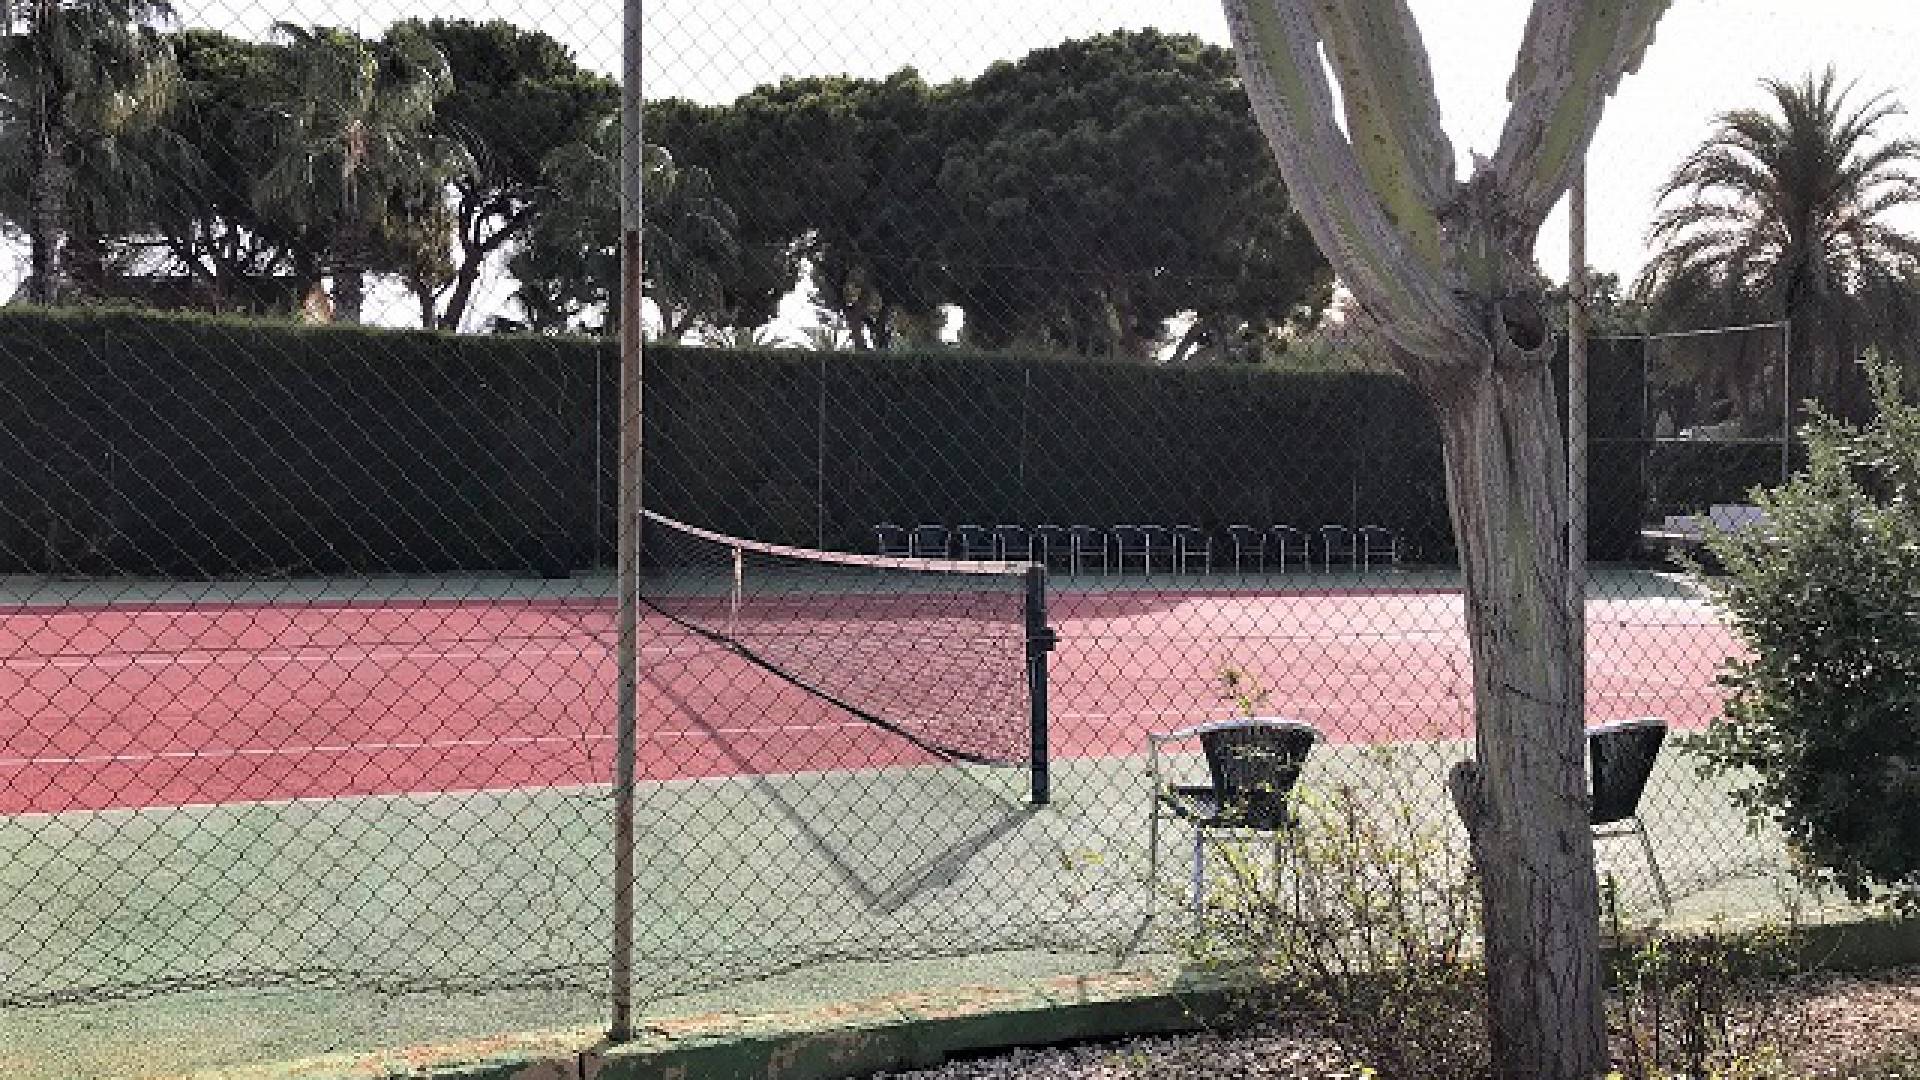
x: 1622, y: 753
x: 1378, y: 543
x: 1013, y: 543
x: 1335, y: 537
x: 974, y: 541
x: 1157, y: 545
x: 1084, y: 544
x: 1046, y: 540
x: 1247, y: 540
x: 1192, y: 546
x: 1129, y: 542
x: 1285, y: 540
x: 928, y: 541
x: 1254, y: 763
x: 890, y: 540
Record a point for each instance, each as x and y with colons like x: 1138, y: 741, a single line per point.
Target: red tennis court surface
x: 172, y: 705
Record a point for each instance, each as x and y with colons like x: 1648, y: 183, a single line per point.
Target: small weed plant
x: 1360, y: 919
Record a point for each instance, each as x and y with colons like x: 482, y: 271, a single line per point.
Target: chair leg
x: 1153, y: 857
x: 1653, y: 864
x: 1199, y: 883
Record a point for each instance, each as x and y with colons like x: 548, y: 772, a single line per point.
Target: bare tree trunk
x: 880, y: 325
x: 423, y: 296
x: 462, y: 295
x: 1524, y: 800
x: 349, y: 295
x: 47, y: 215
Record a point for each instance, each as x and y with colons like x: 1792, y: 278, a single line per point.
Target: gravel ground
x: 1841, y: 1025
x: 1858, y: 1019
x: 1185, y: 1057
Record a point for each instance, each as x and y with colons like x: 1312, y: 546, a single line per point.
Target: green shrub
x: 1364, y: 923
x: 1716, y: 1004
x: 1822, y: 728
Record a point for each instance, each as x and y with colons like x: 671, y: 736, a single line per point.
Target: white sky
x: 1709, y: 57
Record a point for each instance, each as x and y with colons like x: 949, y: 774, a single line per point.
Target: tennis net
x: 947, y: 654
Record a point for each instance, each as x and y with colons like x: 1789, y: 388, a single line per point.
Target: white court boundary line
x: 318, y: 654
x: 385, y: 746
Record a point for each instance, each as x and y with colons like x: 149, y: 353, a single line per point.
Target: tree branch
x: 1393, y: 116
x: 1570, y: 62
x: 1277, y: 44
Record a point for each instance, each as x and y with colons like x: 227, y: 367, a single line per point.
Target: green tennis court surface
x: 944, y: 873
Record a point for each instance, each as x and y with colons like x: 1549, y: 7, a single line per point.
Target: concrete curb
x: 906, y: 1031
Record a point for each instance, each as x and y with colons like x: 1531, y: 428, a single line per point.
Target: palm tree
x: 76, y: 78
x: 356, y: 168
x: 571, y: 261
x: 1784, y: 214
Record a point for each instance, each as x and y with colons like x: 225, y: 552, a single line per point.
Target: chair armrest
x: 1198, y: 730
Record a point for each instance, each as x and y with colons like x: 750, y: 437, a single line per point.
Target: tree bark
x: 1524, y: 799
x: 476, y: 248
x: 349, y: 295
x: 51, y: 182
x: 880, y: 325
x: 461, y: 295
x: 423, y: 296
x: 1446, y: 269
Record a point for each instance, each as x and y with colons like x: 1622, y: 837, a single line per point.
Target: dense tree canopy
x: 1080, y: 198
x: 569, y: 268
x: 355, y: 169
x: 1104, y: 186
x: 1109, y: 196
x: 214, y: 150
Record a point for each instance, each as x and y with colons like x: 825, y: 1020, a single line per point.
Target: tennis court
x: 333, y: 796
x: 159, y: 703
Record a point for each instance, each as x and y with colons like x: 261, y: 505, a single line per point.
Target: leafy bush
x: 1822, y: 728
x: 1717, y: 1004
x: 1364, y: 923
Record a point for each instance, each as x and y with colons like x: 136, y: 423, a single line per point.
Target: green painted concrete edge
x: 908, y: 1031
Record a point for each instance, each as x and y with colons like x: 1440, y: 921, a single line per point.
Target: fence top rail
x: 1704, y: 332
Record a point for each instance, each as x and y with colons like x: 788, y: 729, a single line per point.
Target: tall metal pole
x: 628, y: 527
x: 1786, y: 401
x: 1577, y: 315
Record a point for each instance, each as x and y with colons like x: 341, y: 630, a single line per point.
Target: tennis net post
x: 1040, y: 642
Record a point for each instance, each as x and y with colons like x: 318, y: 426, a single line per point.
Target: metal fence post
x: 632, y: 169
x: 1577, y: 440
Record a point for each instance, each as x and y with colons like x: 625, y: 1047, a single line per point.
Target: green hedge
x: 816, y: 449
x: 1690, y: 477
x: 136, y: 443
x: 1616, y: 450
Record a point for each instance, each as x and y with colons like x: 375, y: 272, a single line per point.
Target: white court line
x: 315, y: 655
x: 320, y: 801
x: 224, y: 754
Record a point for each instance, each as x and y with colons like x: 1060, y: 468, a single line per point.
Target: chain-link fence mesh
x: 307, y: 636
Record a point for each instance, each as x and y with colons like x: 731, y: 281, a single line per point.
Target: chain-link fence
x: 308, y: 632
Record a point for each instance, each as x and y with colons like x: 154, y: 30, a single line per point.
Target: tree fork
x: 1445, y: 269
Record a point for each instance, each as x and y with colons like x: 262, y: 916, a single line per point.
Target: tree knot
x: 1468, y: 788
